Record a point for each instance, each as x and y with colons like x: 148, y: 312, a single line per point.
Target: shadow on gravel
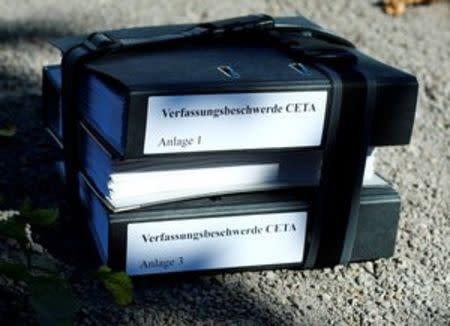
x: 13, y: 31
x: 14, y: 83
x: 26, y: 170
x: 26, y: 160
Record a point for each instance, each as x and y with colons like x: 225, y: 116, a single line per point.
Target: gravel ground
x: 412, y: 288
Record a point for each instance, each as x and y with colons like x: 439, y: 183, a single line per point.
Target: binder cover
x: 130, y: 87
x: 204, y: 231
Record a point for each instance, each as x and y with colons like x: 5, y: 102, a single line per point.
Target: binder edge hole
x: 229, y: 72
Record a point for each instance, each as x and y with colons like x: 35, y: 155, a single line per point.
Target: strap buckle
x: 101, y: 42
x: 240, y: 24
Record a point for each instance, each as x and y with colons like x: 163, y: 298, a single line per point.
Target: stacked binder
x: 222, y: 146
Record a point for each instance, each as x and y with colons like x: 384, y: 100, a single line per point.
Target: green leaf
x: 43, y: 216
x: 25, y: 208
x: 14, y: 271
x: 118, y: 284
x: 52, y: 300
x: 8, y: 130
x: 103, y: 272
x: 13, y: 229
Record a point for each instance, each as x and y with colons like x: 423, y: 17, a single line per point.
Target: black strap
x: 102, y: 42
x: 335, y: 209
x: 105, y: 43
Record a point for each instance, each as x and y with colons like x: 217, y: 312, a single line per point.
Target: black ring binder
x: 332, y: 227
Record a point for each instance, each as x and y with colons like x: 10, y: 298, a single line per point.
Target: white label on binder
x: 220, y: 122
x: 215, y: 243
